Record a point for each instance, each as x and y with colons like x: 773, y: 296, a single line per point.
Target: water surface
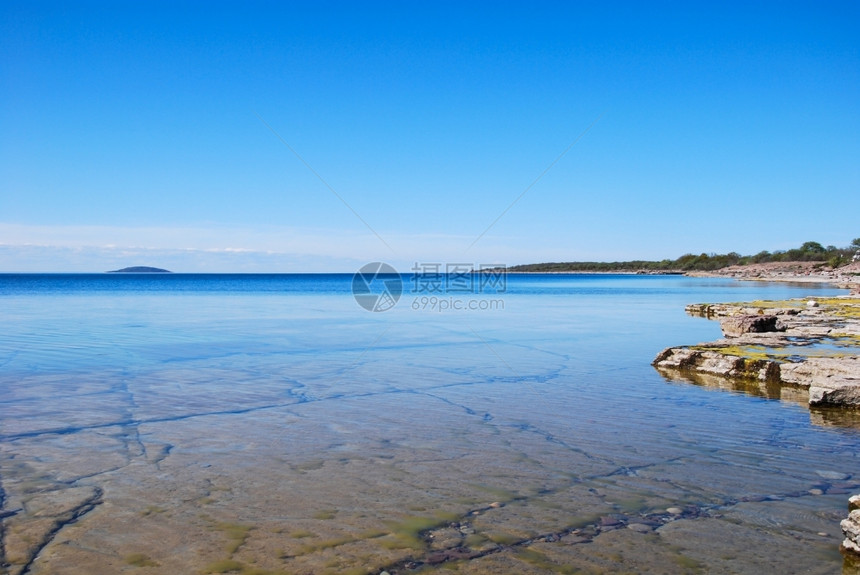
x: 268, y: 424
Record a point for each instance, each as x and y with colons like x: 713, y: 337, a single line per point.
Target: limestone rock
x: 842, y: 392
x: 739, y: 325
x: 713, y: 362
x: 831, y: 380
x: 769, y: 348
x: 851, y: 530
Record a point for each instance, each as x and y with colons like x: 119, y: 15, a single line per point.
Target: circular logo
x: 377, y: 286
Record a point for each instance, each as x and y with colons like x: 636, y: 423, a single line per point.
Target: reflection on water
x: 835, y: 417
x: 764, y: 389
x: 257, y: 431
x: 823, y: 416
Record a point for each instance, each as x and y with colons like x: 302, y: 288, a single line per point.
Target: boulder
x: 740, y: 324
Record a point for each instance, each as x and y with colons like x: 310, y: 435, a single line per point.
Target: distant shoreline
x: 847, y: 277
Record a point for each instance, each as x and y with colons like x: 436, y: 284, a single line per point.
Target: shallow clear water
x: 268, y: 424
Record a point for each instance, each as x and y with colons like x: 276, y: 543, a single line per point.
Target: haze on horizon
x: 270, y: 138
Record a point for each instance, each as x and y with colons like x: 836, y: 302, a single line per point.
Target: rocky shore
x: 797, y: 344
x: 847, y: 276
x: 851, y: 527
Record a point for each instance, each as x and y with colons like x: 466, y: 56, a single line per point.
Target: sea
x: 343, y: 423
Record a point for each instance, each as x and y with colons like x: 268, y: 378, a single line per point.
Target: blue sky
x: 138, y: 133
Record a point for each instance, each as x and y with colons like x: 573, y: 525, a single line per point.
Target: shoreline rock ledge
x: 851, y: 527
x: 811, y: 344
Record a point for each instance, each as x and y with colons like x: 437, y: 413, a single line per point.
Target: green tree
x: 762, y: 256
x: 812, y: 248
x: 855, y: 243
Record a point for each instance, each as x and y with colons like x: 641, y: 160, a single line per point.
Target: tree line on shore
x: 809, y: 252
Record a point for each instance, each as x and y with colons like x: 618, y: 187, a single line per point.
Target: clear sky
x: 317, y: 136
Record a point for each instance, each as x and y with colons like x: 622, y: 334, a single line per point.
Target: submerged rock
x: 834, y: 475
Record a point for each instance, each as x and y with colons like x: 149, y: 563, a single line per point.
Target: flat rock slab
x: 803, y: 343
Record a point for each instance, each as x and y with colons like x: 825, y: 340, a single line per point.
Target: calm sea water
x: 269, y: 424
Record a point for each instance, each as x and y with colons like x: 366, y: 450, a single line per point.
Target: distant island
x: 140, y: 270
